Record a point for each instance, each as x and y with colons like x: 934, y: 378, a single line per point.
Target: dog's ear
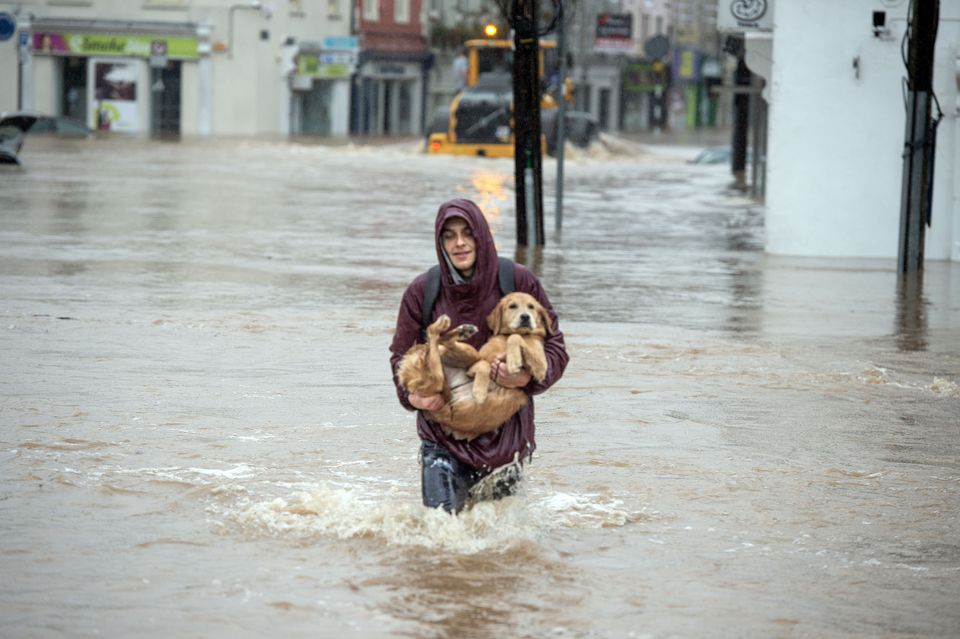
x: 544, y: 319
x: 495, y: 318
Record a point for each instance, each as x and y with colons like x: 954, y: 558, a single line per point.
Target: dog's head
x: 519, y: 313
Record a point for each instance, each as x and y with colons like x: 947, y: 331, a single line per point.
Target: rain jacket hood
x: 485, y: 271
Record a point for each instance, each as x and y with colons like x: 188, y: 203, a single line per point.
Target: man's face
x: 459, y: 244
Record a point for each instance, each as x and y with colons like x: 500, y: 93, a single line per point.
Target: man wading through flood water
x: 469, y: 290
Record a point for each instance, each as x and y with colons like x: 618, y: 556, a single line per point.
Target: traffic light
x: 490, y: 30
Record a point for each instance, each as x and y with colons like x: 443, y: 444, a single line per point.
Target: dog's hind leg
x: 459, y: 355
x: 432, y: 361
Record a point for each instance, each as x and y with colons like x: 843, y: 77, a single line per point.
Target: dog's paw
x: 466, y: 331
x: 538, y: 371
x: 441, y: 324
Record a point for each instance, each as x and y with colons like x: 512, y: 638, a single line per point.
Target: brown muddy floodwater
x: 199, y: 436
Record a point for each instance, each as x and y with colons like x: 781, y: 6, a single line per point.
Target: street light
x: 253, y: 4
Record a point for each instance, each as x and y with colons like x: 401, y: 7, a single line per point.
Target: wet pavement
x: 200, y: 437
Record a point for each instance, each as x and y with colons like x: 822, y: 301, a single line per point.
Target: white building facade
x: 837, y: 130
x: 206, y: 67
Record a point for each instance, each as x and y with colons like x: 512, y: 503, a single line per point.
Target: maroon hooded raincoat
x: 471, y: 302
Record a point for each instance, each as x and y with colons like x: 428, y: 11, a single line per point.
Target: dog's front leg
x: 535, y: 358
x: 480, y: 371
x: 514, y: 354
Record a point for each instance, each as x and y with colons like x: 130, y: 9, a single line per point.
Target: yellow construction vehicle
x: 479, y: 119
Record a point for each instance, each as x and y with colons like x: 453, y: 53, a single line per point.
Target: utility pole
x: 920, y: 137
x: 528, y: 159
x: 561, y: 113
x: 741, y: 114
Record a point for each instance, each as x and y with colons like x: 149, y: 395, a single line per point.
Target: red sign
x: 614, y: 32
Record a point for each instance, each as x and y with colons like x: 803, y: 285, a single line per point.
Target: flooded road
x: 199, y: 436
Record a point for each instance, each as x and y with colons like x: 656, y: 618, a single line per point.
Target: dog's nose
x: 525, y: 319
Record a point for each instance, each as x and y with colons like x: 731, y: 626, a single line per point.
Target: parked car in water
x: 580, y: 129
x: 60, y: 125
x: 14, y: 127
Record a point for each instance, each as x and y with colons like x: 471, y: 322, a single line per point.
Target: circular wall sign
x: 657, y: 47
x: 748, y: 10
x: 8, y: 25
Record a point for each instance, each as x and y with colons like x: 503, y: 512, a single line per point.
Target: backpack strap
x: 505, y: 276
x: 431, y: 290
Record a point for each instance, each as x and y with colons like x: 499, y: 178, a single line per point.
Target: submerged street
x: 199, y: 435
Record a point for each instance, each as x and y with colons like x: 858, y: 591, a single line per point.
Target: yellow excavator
x: 479, y: 119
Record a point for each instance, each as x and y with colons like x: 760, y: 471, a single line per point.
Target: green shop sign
x: 100, y: 44
x: 311, y: 66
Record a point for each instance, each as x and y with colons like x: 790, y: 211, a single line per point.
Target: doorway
x: 604, y: 112
x: 73, y: 101
x: 315, y: 109
x: 165, y: 110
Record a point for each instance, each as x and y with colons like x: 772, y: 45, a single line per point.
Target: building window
x: 401, y: 11
x: 333, y: 8
x: 371, y: 10
x: 659, y: 25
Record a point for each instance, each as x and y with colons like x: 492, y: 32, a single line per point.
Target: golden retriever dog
x: 445, y: 365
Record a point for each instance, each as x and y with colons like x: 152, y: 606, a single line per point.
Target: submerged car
x: 717, y: 155
x: 60, y: 125
x: 15, y: 126
x: 713, y: 155
x: 12, y: 131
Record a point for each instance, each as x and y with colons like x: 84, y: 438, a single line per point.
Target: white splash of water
x: 347, y: 512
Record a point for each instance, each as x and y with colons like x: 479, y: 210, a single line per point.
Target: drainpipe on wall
x: 204, y: 80
x: 25, y: 66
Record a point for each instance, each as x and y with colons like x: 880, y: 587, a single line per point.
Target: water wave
x: 346, y: 512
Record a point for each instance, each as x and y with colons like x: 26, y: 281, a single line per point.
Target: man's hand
x: 426, y: 402
x: 499, y: 374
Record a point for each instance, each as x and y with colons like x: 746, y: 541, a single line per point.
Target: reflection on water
x: 911, y: 317
x: 530, y: 256
x: 491, y: 596
x: 199, y: 427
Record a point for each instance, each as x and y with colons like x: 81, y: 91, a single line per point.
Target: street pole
x: 917, y: 188
x: 741, y: 124
x: 528, y: 160
x: 561, y: 114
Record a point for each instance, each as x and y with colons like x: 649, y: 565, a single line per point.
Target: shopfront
x: 644, y: 89
x: 389, y: 95
x: 321, y: 91
x: 119, y: 77
x: 597, y: 89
